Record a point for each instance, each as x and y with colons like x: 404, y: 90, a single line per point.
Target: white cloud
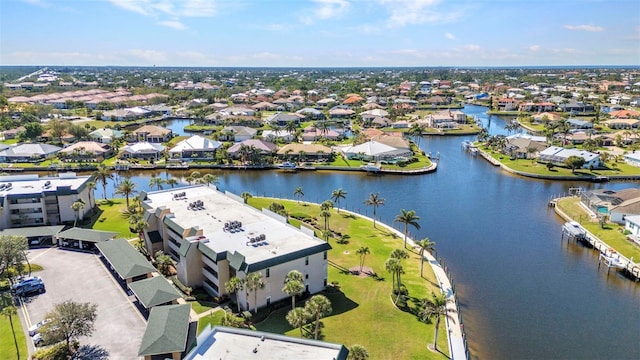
x: 534, y: 48
x: 407, y: 12
x: 326, y: 9
x: 450, y: 36
x: 590, y: 28
x: 174, y: 24
x: 174, y: 8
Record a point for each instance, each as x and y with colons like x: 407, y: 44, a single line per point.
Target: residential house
x: 632, y: 224
x: 238, y: 110
x: 622, y: 123
x: 374, y: 151
x: 524, y: 148
x: 632, y: 159
x: 237, y: 133
x: 262, y: 106
x: 303, y: 152
x: 537, y: 107
x: 558, y: 155
x: 579, y: 124
x: 577, y: 107
x: 105, y: 135
x: 506, y: 104
x: 142, y: 150
x: 195, y: 147
x: 624, y: 114
x: 263, y: 147
x: 311, y: 113
x: 312, y: 133
x: 280, y: 135
x: 86, y: 151
x: 214, y: 236
x: 28, y: 153
x: 153, y: 134
x: 341, y: 113
x: 282, y: 119
x: 13, y: 133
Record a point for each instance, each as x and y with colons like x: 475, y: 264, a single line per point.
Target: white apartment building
x: 29, y: 200
x: 214, y: 236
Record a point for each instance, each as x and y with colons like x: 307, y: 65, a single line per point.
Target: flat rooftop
x: 32, y: 184
x: 241, y: 344
x: 217, y: 209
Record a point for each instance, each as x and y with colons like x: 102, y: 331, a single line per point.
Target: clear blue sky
x: 320, y: 32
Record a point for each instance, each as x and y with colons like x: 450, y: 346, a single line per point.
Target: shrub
x: 185, y: 289
x: 55, y: 352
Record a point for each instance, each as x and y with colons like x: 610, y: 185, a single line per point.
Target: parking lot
x: 81, y: 277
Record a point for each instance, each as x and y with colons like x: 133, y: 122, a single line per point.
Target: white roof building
x: 558, y: 155
x: 373, y: 150
x: 195, y: 147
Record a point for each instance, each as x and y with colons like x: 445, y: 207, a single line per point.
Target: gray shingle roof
x: 126, y: 260
x: 167, y: 330
x: 154, y: 291
x: 87, y: 235
x: 33, y: 231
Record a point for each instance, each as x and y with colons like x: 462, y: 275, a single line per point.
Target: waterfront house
x: 142, y: 150
x: 281, y: 135
x: 632, y: 224
x: 546, y: 117
x: 261, y: 146
x: 632, y: 159
x: 622, y: 123
x: 537, y: 107
x: 630, y: 207
x: 86, y: 151
x: 214, y: 236
x: 579, y: 124
x: 341, y: 113
x: 312, y: 133
x: 374, y: 151
x: 152, y: 134
x: 238, y: 111
x: 303, y: 152
x: 31, y: 152
x: 624, y: 114
x: 524, y: 148
x: 263, y: 105
x: 577, y: 107
x: 105, y: 135
x: 506, y: 104
x: 195, y: 147
x: 558, y: 155
x: 605, y: 201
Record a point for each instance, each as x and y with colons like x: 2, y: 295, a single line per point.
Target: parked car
x: 26, y: 280
x: 29, y: 286
x: 38, y: 340
x: 35, y: 328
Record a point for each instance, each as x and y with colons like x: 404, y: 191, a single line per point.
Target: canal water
x: 524, y: 294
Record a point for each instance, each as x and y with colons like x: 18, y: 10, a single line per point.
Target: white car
x: 33, y: 330
x: 37, y: 340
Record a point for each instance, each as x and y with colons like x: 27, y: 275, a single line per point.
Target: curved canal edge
x: 458, y: 348
x: 495, y: 162
x: 631, y: 268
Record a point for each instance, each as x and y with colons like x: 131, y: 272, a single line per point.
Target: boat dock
x: 608, y: 257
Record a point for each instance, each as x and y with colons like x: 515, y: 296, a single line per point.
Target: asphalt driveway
x: 81, y: 277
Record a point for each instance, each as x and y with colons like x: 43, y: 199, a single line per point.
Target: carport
x: 167, y: 331
x: 83, y: 239
x: 125, y: 260
x: 36, y: 235
x: 154, y: 291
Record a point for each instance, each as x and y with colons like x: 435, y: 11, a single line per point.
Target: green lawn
x: 215, y: 318
x: 611, y: 234
x: 363, y: 310
x: 110, y: 218
x: 7, y: 344
x: 201, y: 306
x: 533, y: 167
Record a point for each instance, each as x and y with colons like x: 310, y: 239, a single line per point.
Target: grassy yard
x: 533, y: 167
x: 364, y: 312
x: 610, y: 234
x: 7, y: 344
x: 110, y: 218
x: 213, y: 319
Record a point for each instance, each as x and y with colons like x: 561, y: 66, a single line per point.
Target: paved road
x: 81, y: 277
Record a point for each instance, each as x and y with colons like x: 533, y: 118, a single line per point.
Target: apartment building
x: 29, y: 200
x: 214, y: 236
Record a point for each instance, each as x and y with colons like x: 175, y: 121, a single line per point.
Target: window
x: 325, y: 281
x: 325, y: 255
x: 306, y: 276
x: 268, y: 272
x: 306, y: 260
x: 268, y: 300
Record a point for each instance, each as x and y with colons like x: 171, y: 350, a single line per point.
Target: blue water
x: 524, y: 294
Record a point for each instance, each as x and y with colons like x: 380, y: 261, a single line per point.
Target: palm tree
x: 208, y: 179
x: 358, y: 352
x: 437, y: 306
x: 338, y: 194
x: 171, y: 182
x: 254, y: 282
x: 399, y: 254
x: 91, y: 186
x: 407, y: 218
x: 157, y: 182
x: 318, y: 307
x: 246, y: 196
x: 416, y: 131
x: 393, y: 266
x: 10, y: 312
x: 424, y: 245
x: 293, y: 288
x: 326, y: 214
x: 363, y: 252
x: 76, y: 207
x: 102, y: 175
x: 233, y: 286
x: 297, y: 318
x: 127, y: 188
x: 374, y: 200
x: 291, y: 127
x: 298, y: 193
